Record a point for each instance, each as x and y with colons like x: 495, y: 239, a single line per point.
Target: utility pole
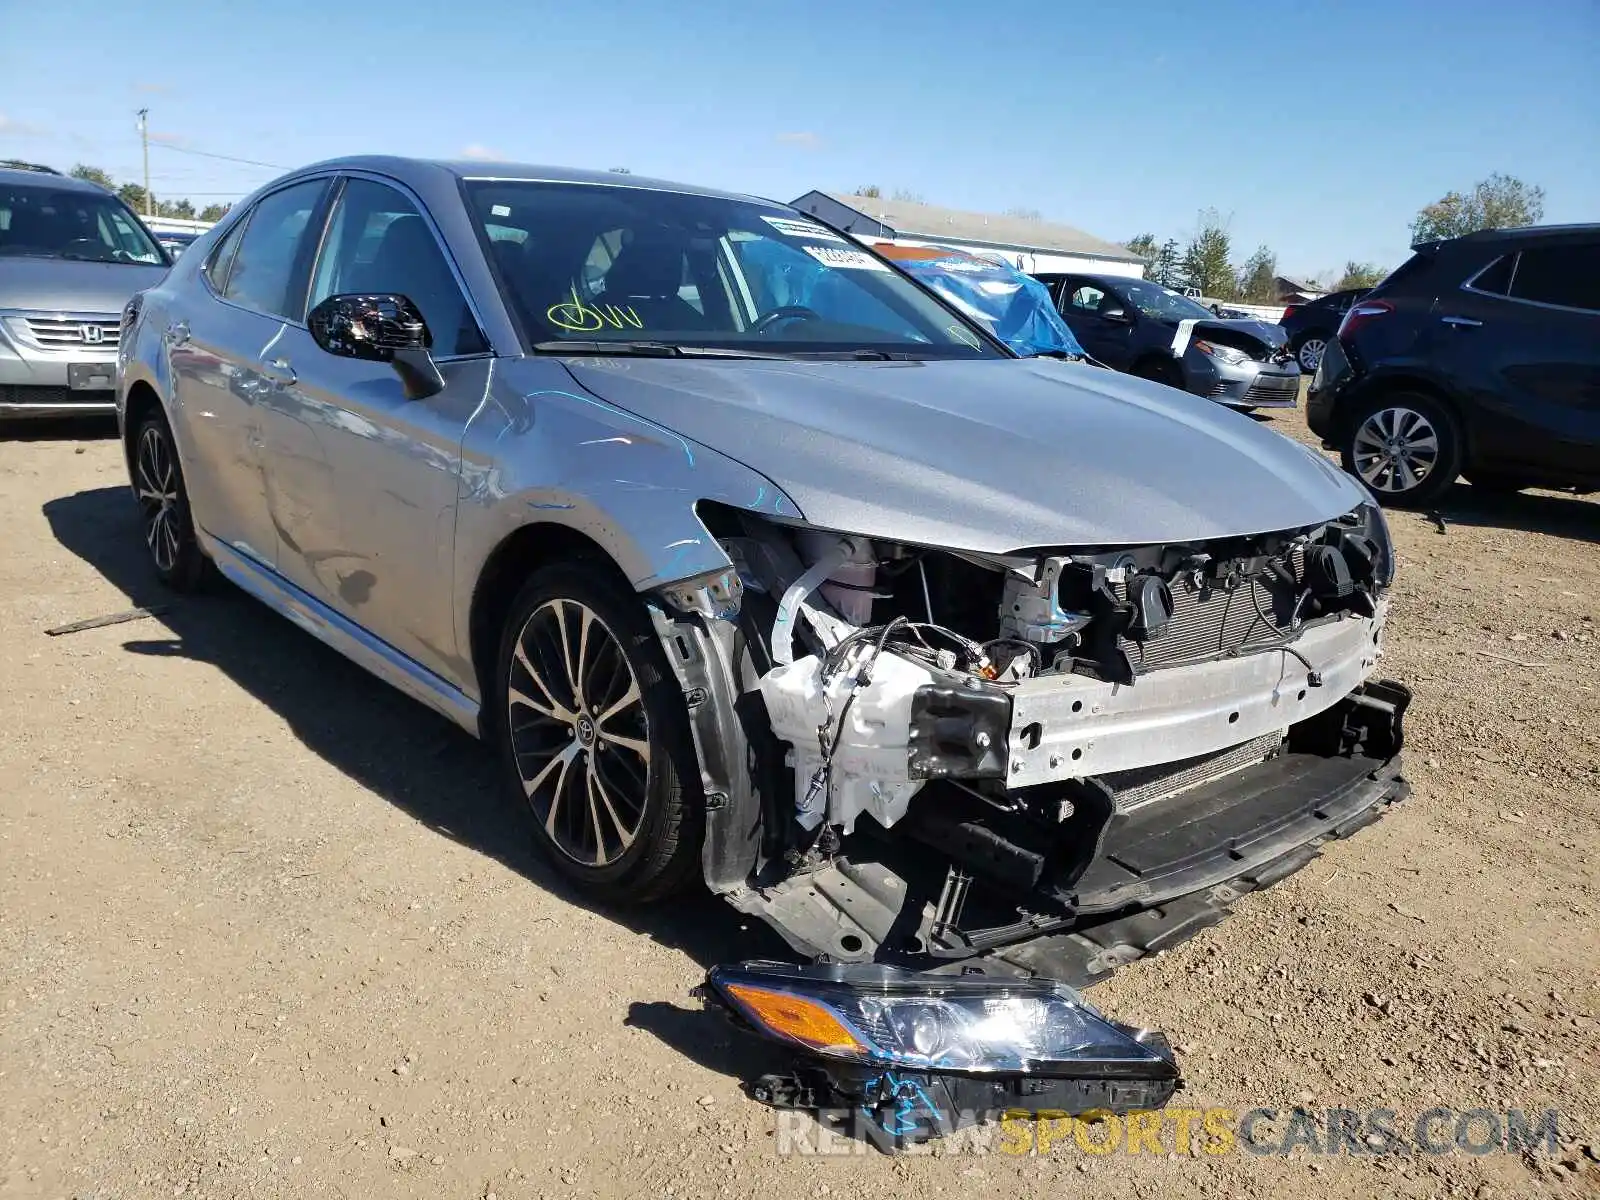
x: 144, y: 138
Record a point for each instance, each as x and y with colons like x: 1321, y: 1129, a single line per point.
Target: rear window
x: 1565, y: 275
x: 1496, y: 277
x: 1407, y: 271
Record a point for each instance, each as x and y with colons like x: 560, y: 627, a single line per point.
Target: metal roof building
x: 1022, y: 242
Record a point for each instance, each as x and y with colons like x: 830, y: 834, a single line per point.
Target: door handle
x: 177, y: 333
x: 279, y: 371
x: 1461, y: 322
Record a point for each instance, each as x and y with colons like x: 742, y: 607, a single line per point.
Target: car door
x: 362, y: 482
x: 1523, y: 338
x: 219, y: 346
x: 1083, y: 305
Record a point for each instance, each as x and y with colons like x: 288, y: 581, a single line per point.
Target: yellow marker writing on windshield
x: 579, y: 317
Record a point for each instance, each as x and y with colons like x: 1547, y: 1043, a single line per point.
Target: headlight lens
x: 886, y: 1017
x: 1225, y: 354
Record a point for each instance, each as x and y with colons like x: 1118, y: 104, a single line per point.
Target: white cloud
x: 480, y: 151
x: 11, y: 127
x: 804, y: 139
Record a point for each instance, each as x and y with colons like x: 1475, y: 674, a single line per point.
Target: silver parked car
x: 71, y: 254
x: 911, y: 647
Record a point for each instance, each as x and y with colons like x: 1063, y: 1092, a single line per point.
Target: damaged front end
x: 1033, y: 766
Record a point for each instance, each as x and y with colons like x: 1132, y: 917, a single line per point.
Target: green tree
x: 1258, y: 277
x: 214, y: 212
x: 870, y: 190
x: 1498, y: 202
x: 1144, y: 245
x: 1358, y: 275
x: 1166, y: 267
x: 94, y: 175
x: 1206, y: 262
x: 133, y: 196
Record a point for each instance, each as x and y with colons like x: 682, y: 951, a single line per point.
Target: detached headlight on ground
x: 919, y: 1054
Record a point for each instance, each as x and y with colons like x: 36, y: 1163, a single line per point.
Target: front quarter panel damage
x: 543, y: 450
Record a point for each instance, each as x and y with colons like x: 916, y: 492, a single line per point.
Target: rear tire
x: 1405, y: 446
x: 165, y: 518
x: 1308, y: 351
x: 594, y: 737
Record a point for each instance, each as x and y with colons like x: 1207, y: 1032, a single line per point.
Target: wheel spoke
x: 641, y: 748
x: 552, y: 707
x: 549, y: 708
x: 631, y: 696
x: 598, y: 790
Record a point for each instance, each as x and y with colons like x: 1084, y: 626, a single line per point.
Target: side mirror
x: 1115, y: 313
x: 379, y: 328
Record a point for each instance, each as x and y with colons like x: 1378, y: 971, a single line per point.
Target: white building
x: 1030, y: 245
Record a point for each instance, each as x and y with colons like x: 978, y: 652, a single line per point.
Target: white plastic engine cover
x: 870, y: 766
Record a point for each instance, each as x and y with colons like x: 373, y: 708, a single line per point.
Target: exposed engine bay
x: 913, y: 754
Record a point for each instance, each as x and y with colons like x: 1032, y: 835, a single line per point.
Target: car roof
x: 408, y: 170
x: 49, y: 179
x: 1519, y: 233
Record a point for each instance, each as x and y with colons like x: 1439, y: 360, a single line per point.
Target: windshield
x: 46, y: 222
x: 589, y: 263
x: 1163, y: 304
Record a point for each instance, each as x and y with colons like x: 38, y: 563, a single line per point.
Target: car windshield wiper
x: 648, y: 350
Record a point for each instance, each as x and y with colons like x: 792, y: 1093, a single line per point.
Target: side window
x: 378, y: 243
x: 216, y: 268
x: 263, y: 275
x: 1565, y: 275
x: 1496, y: 277
x: 1086, y: 299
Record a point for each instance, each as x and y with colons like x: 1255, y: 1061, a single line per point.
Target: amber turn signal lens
x: 791, y: 1016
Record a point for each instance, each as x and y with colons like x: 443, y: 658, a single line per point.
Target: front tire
x: 594, y: 737
x: 1159, y: 371
x: 164, y: 507
x: 1405, y: 446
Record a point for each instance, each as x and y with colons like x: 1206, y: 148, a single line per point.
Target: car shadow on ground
x: 403, y: 752
x: 59, y: 429
x: 1574, y: 517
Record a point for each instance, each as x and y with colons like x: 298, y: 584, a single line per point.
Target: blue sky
x: 1317, y: 128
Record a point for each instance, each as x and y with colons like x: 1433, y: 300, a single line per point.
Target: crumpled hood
x: 1271, y: 336
x: 67, y: 285
x: 986, y: 455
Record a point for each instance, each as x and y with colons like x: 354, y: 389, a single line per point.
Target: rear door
x: 1522, y: 337
x: 220, y: 349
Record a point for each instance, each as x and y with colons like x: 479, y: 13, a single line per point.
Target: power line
x: 250, y: 162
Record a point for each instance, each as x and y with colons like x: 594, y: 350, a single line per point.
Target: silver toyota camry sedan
x: 757, y: 563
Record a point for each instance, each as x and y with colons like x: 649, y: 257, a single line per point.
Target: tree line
x: 133, y: 195
x: 1206, y: 260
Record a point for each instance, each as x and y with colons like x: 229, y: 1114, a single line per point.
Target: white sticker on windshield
x: 499, y: 210
x: 790, y: 227
x: 848, y: 260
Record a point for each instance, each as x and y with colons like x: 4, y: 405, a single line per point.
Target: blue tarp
x: 1015, y: 307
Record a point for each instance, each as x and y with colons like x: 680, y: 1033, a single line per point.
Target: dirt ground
x: 266, y: 930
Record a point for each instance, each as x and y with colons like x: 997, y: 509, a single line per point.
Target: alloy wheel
x: 157, y: 485
x: 1395, y: 450
x: 579, y: 734
x: 1310, y: 353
